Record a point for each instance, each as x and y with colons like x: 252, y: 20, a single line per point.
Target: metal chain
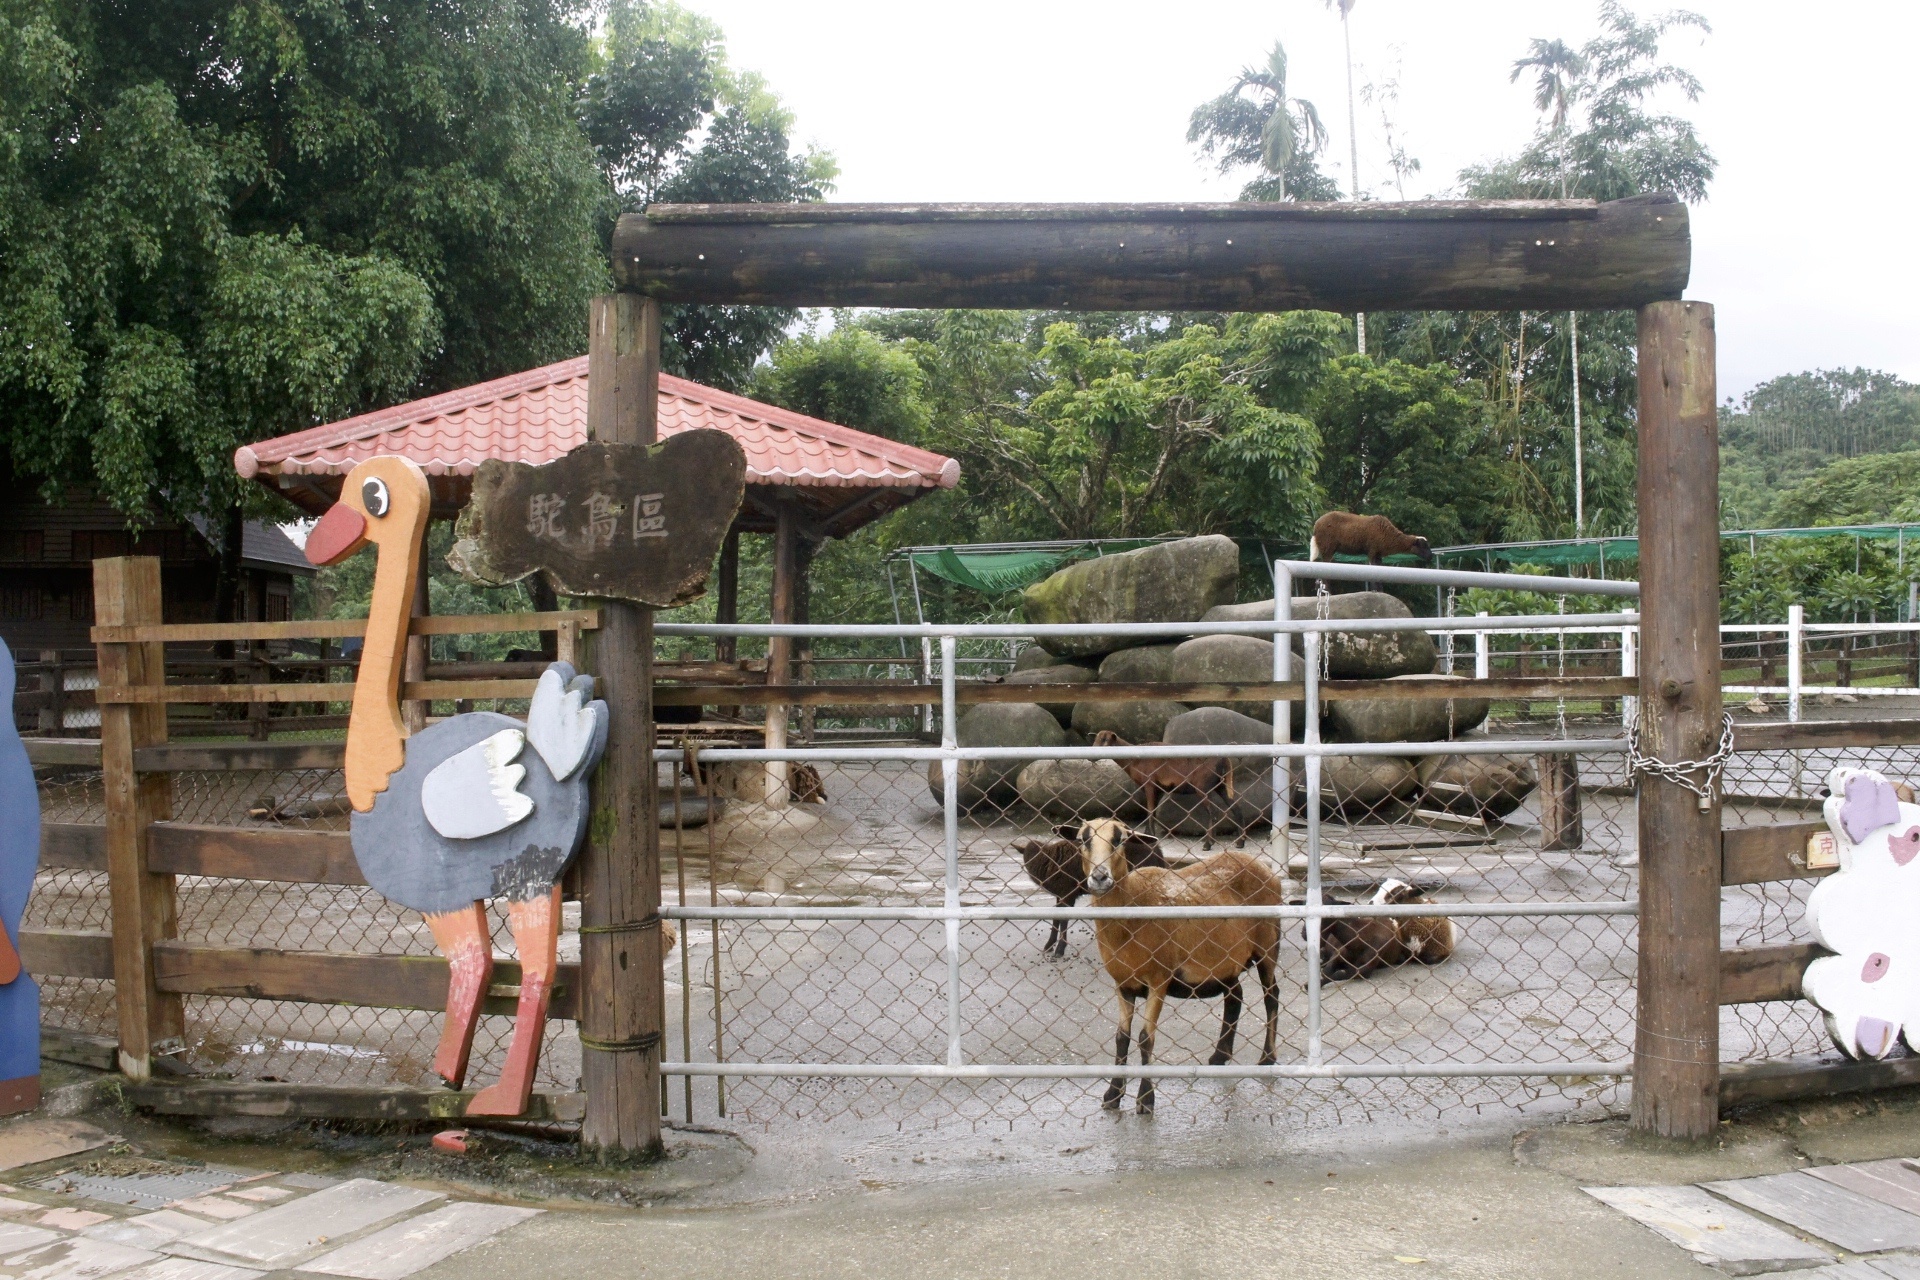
x: 1679, y: 772
x: 1322, y: 610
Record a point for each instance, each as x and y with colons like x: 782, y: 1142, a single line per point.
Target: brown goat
x: 1054, y: 865
x: 1340, y: 533
x: 1186, y: 959
x: 1354, y: 946
x: 1203, y: 776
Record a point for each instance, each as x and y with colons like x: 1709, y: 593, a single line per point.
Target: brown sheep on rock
x: 1340, y: 533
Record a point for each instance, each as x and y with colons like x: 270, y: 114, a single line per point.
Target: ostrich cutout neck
x: 376, y: 735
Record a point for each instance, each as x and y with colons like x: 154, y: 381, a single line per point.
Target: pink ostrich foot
x: 536, y: 935
x: 465, y: 939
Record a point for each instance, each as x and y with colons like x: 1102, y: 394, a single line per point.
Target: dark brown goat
x: 1200, y: 775
x: 1354, y: 946
x: 1340, y: 533
x: 1055, y: 866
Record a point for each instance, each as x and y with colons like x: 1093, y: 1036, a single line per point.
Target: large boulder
x: 996, y: 724
x: 1076, y: 789
x: 1405, y: 719
x: 1150, y: 663
x: 1351, y: 655
x: 1060, y: 673
x: 1167, y: 582
x: 1034, y: 656
x: 1482, y: 786
x: 1137, y: 722
x: 1233, y: 660
x: 1191, y: 814
x: 1356, y: 784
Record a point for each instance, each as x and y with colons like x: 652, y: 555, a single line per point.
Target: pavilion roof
x: 844, y: 477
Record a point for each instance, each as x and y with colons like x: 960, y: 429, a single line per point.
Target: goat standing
x: 1185, y: 959
x: 1201, y: 776
x: 1341, y: 533
x: 1054, y: 865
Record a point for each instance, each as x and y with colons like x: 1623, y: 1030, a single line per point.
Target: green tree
x: 1873, y: 489
x: 225, y: 223
x: 851, y: 377
x: 1406, y: 442
x: 671, y: 121
x: 1614, y: 142
x: 1257, y: 125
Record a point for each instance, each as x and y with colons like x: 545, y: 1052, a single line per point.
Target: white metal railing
x: 1312, y: 911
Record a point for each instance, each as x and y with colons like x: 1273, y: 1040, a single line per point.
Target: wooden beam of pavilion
x: 1421, y: 255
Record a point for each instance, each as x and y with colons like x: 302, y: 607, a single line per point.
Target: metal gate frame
x: 1312, y: 751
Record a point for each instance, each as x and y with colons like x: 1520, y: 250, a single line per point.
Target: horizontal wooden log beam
x: 314, y: 691
x: 73, y: 846
x: 266, y: 757
x: 905, y: 695
x: 331, y: 1101
x: 324, y: 977
x: 1751, y: 974
x: 1746, y: 1083
x: 1239, y: 257
x: 1235, y: 211
x: 1809, y: 734
x: 82, y: 1050
x: 67, y: 953
x: 1760, y: 855
x: 82, y: 753
x: 253, y: 853
x: 464, y: 624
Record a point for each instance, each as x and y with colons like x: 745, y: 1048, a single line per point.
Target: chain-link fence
x: 1448, y: 913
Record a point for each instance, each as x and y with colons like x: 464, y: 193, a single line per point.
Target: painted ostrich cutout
x: 460, y: 812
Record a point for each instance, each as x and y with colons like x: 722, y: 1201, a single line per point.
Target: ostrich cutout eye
x: 373, y: 494
x: 1870, y: 988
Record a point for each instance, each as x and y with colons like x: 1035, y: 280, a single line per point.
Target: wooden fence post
x: 1676, y: 1057
x: 126, y: 592
x: 623, y: 995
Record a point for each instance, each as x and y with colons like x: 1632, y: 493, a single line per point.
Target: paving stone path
x: 1837, y: 1222
x: 73, y: 1208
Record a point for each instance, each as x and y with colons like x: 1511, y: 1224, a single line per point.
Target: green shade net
x: 994, y: 572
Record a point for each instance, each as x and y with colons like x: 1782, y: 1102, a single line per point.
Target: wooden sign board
x: 619, y: 522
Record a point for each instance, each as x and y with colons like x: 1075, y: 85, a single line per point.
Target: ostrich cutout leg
x: 466, y: 940
x: 536, y: 936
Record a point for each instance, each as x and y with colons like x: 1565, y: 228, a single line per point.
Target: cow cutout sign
x: 1869, y: 989
x: 623, y: 522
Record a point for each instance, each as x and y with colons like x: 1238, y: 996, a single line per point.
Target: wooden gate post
x: 1676, y: 1052
x: 126, y: 592
x: 623, y: 996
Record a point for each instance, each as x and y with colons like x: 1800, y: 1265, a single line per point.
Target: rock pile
x: 1195, y: 580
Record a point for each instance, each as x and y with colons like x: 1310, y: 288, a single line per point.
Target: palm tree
x: 1558, y: 70
x: 1353, y: 144
x: 1256, y: 123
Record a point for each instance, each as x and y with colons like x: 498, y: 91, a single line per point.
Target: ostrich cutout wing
x: 1864, y: 913
x: 476, y: 792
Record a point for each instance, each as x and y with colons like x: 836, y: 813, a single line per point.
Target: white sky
x: 1076, y: 100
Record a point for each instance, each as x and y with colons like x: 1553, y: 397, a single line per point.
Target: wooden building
x: 46, y: 567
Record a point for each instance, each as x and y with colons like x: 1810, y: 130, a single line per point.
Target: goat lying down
x: 1183, y: 959
x: 1055, y: 866
x: 1355, y: 946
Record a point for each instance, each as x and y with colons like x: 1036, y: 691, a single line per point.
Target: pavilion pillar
x: 726, y: 610
x: 786, y: 565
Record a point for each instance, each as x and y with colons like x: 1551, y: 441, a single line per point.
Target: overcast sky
x: 1804, y: 246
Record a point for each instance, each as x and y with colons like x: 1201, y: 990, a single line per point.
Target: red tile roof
x: 539, y: 415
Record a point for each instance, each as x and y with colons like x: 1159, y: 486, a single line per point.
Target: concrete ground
x: 1494, y: 1203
